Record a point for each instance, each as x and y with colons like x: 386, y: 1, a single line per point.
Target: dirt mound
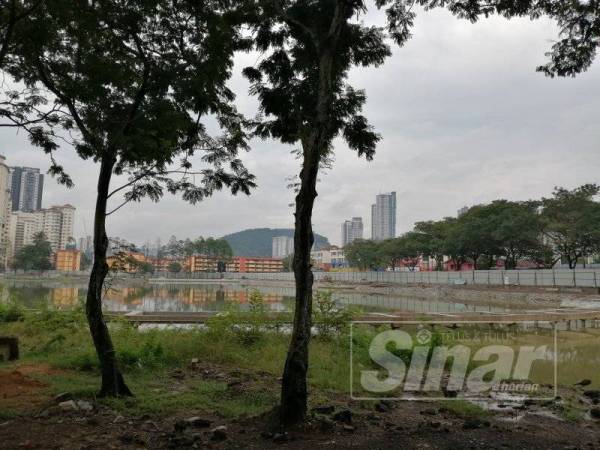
x: 19, y: 387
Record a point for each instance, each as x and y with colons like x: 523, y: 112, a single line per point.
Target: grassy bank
x: 160, y: 364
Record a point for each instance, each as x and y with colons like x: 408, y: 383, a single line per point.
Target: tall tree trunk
x: 113, y: 384
x: 294, y: 394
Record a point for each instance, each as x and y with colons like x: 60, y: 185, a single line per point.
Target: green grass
x: 465, y: 409
x: 7, y: 414
x: 62, y: 340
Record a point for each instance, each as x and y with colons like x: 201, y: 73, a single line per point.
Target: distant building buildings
x: 26, y: 188
x: 328, y: 258
x: 55, y: 222
x: 282, y: 246
x: 383, y: 217
x: 67, y: 260
x: 5, y: 209
x: 244, y: 264
x: 86, y: 246
x: 125, y: 261
x: 352, y: 230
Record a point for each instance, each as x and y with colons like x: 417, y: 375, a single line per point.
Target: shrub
x: 329, y: 319
x: 11, y: 312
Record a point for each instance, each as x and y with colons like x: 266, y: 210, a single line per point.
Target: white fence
x: 546, y: 277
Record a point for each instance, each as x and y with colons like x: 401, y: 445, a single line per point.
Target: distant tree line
x: 564, y: 227
x: 177, y: 248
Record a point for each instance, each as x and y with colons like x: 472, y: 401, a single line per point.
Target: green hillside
x: 259, y: 241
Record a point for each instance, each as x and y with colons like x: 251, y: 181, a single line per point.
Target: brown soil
x: 20, y: 387
x: 408, y: 426
x: 417, y: 425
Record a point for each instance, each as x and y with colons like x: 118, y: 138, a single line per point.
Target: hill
x: 259, y: 241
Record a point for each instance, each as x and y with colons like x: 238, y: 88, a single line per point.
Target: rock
x: 595, y: 413
x: 219, y: 433
x: 435, y: 424
x: 195, y: 361
x: 429, y: 412
x: 280, y: 437
x: 63, y: 397
x: 69, y: 405
x: 197, y: 422
x: 326, y: 409
x: 344, y: 416
x: 266, y: 435
x: 84, y: 406
x: 119, y: 419
x: 584, y: 382
x: 592, y: 393
x: 349, y: 428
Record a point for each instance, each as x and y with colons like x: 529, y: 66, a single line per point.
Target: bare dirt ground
x: 42, y: 424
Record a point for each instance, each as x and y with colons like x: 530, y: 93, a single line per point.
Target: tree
x: 142, y: 267
x: 35, y: 256
x: 406, y: 249
x: 434, y: 238
x: 174, y: 267
x: 517, y: 230
x: 363, y: 254
x: 137, y: 80
x: 301, y: 86
x: 570, y: 220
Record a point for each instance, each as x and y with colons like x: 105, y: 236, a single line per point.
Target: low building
x: 202, y: 263
x: 328, y: 258
x: 126, y: 261
x: 67, y: 260
x: 256, y: 264
x: 163, y: 264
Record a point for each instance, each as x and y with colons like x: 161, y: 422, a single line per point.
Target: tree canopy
x: 35, y: 256
x: 539, y: 233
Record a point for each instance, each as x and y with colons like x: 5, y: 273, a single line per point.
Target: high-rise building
x: 5, y: 208
x: 26, y: 186
x: 57, y: 225
x: 86, y: 246
x: 55, y: 222
x: 352, y: 230
x: 282, y: 246
x: 383, y: 217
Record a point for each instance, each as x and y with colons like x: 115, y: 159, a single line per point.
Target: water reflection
x: 216, y: 297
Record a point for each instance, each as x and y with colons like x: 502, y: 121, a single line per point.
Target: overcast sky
x: 465, y: 119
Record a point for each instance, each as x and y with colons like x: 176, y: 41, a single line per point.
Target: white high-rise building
x: 383, y: 217
x: 282, y: 246
x: 55, y: 222
x: 352, y: 230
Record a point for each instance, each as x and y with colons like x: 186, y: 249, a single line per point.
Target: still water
x: 218, y: 297
x: 577, y: 353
